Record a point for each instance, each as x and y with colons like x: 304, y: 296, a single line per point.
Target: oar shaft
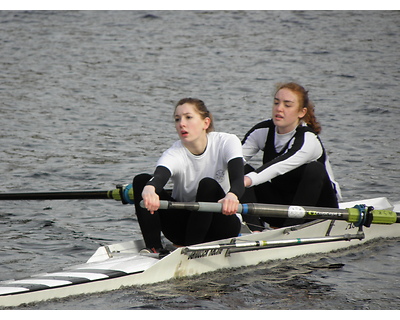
x: 354, y: 215
x: 122, y: 193
x: 263, y: 210
x: 359, y: 215
x: 284, y: 211
x: 55, y: 195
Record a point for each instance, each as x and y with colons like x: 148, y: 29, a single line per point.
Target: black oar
x: 122, y: 193
x: 359, y: 215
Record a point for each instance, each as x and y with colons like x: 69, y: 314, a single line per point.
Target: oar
x: 122, y: 193
x: 359, y: 215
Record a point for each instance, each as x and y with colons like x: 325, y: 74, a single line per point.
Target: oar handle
x: 192, y: 206
x: 359, y: 215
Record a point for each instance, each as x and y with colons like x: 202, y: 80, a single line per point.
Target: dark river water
x: 86, y: 103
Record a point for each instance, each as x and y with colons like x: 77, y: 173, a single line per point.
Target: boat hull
x: 121, y: 265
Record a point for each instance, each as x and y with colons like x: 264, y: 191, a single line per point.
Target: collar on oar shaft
x: 362, y: 215
x: 123, y: 193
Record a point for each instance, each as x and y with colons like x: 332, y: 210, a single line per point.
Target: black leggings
x: 183, y: 227
x: 308, y: 185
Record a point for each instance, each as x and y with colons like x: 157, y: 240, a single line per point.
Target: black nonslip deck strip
x: 73, y: 280
x: 107, y: 272
x: 29, y: 286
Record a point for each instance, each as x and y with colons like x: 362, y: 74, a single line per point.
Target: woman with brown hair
x: 295, y: 169
x: 203, y: 165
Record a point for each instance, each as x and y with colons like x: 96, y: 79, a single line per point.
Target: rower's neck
x: 199, y: 146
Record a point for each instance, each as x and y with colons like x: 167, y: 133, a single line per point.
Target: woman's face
x: 189, y: 124
x: 286, y: 112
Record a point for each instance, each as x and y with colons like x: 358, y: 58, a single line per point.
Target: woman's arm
x: 255, y: 138
x: 230, y: 202
x: 305, y: 148
x: 151, y: 200
x: 236, y: 173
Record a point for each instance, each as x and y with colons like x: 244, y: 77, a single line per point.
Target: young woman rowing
x: 295, y: 169
x: 203, y: 166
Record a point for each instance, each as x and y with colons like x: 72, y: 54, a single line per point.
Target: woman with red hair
x: 295, y: 169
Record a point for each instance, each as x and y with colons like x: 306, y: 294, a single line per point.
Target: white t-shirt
x: 188, y: 169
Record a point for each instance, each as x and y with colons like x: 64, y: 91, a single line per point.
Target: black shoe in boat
x: 161, y: 251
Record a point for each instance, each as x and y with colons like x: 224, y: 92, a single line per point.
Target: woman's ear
x: 207, y: 122
x: 302, y: 113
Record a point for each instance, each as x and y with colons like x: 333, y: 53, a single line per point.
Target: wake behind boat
x: 120, y: 265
